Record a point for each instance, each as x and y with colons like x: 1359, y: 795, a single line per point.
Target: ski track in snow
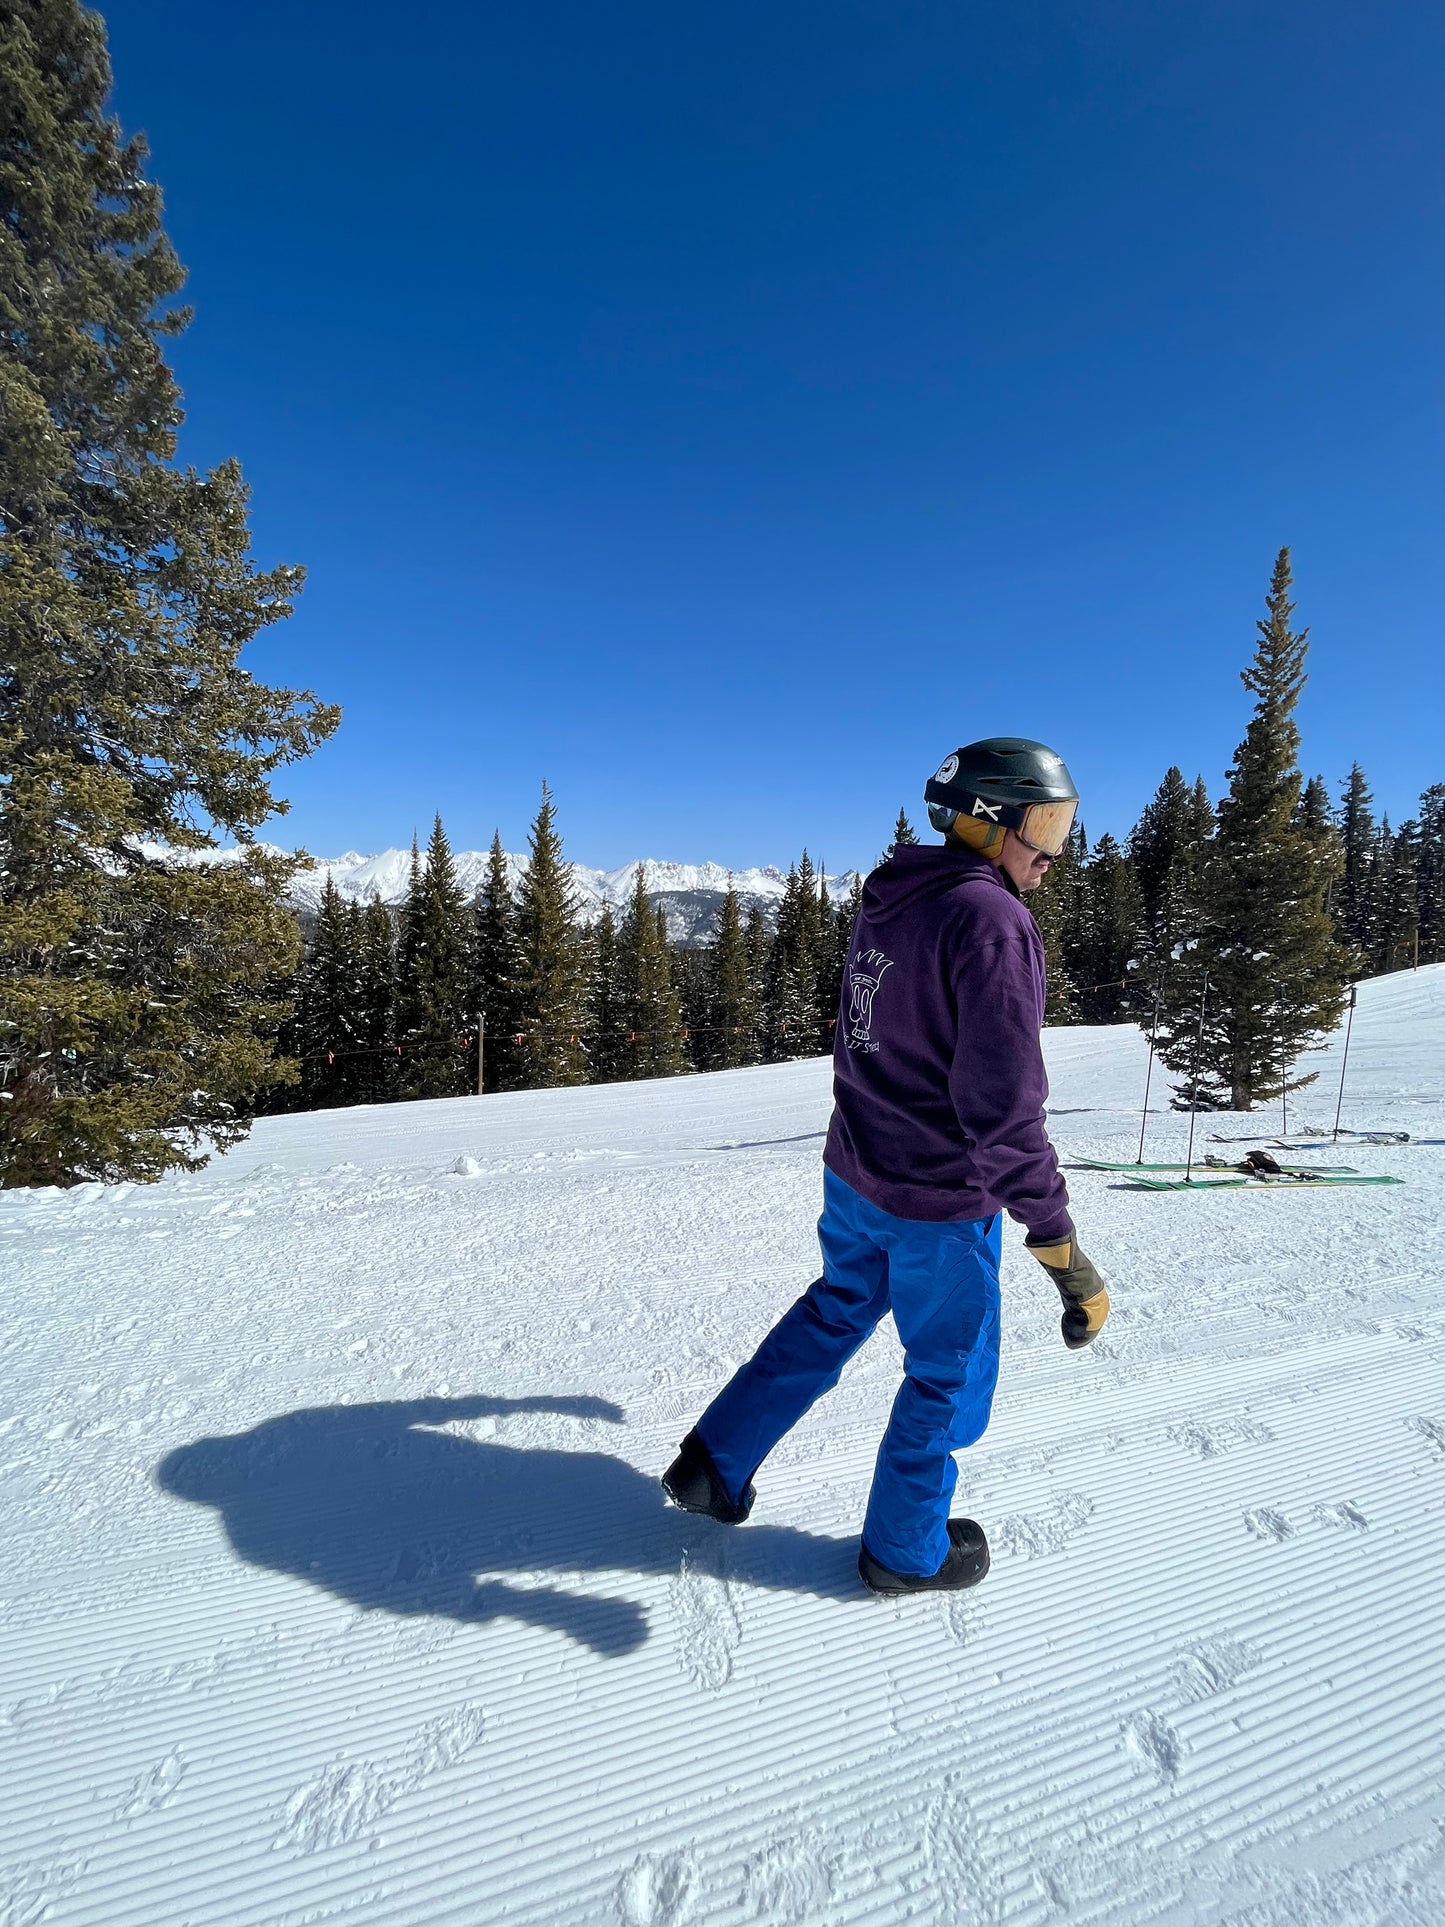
x: 337, y: 1586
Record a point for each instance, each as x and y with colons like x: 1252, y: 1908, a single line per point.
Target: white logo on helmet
x: 947, y: 770
x: 990, y: 810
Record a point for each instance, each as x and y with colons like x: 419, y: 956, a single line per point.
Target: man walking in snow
x: 937, y: 1127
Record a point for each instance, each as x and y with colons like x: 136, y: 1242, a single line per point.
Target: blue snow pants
x: 940, y: 1281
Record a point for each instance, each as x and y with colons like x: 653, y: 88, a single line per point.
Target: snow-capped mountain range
x: 690, y: 893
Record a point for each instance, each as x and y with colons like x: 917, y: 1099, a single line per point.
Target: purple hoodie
x: 938, y: 1076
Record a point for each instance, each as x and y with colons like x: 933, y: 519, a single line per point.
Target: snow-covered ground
x: 337, y: 1585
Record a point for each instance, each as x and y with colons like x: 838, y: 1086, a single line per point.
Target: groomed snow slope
x: 337, y: 1585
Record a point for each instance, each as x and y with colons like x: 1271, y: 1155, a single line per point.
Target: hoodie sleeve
x: 998, y: 1083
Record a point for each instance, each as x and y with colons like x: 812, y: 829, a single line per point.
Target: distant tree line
x: 1230, y: 931
x: 389, y: 1006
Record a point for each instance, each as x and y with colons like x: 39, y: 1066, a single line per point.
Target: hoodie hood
x: 916, y: 871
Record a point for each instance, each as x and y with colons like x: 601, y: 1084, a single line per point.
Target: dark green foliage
x: 1314, y: 805
x: 376, y: 1003
x: 1167, y: 848
x: 837, y: 943
x: 731, y: 1037
x: 1430, y: 873
x: 1266, y: 943
x: 650, y: 1004
x: 495, y: 967
x: 1057, y: 909
x: 1108, y: 934
x: 328, y: 1008
x: 796, y: 1025
x: 434, y: 1023
x: 903, y: 833
x: 1352, y: 897
x: 552, y: 964
x: 1394, y: 899
x: 650, y: 1018
x: 137, y: 990
x: 608, y: 1041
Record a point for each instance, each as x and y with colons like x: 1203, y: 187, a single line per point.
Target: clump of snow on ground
x: 337, y: 1584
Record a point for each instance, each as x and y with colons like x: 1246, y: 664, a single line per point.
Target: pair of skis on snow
x: 1257, y: 1170
x: 1322, y: 1139
x: 1250, y: 1174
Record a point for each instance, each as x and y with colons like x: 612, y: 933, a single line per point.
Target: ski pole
x: 1283, y: 1077
x: 1344, y: 1059
x: 1153, y: 1034
x: 1194, y: 1082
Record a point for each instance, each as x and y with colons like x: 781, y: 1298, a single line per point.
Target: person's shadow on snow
x: 377, y: 1505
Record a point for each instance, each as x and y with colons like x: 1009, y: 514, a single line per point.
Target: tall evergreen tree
x: 1430, y: 874
x: 1109, y: 936
x: 650, y: 1011
x: 903, y: 833
x: 1167, y: 847
x: 1274, y: 965
x: 376, y: 1001
x: 759, y: 945
x: 137, y: 1006
x: 434, y: 1022
x: 1056, y: 909
x: 552, y: 964
x: 1353, y: 892
x: 1395, y: 905
x: 731, y: 1038
x: 1314, y: 805
x: 495, y: 965
x: 795, y: 1024
x: 328, y: 1008
x: 608, y: 1041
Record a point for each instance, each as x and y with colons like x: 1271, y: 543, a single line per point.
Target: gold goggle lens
x: 1046, y: 826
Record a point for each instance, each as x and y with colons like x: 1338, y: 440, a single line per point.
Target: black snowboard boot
x: 692, y: 1482
x: 966, y: 1564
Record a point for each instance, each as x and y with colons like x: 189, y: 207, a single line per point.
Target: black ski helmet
x: 997, y: 780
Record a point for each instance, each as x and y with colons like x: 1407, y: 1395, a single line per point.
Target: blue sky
x: 724, y: 411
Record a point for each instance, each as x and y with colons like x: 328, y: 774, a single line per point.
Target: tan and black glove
x: 1086, y: 1302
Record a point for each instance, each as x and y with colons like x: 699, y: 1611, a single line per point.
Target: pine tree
x: 794, y: 1024
x: 329, y: 1009
x: 376, y: 999
x: 1274, y: 966
x: 759, y: 946
x: 1314, y: 806
x: 650, y: 1012
x: 1167, y: 847
x: 137, y: 992
x: 903, y: 834
x: 732, y: 1013
x: 495, y: 965
x: 1111, y: 917
x: 553, y: 965
x: 607, y: 1028
x: 1395, y: 900
x: 434, y: 1023
x: 832, y: 961
x: 1430, y: 874
x: 1056, y: 909
x: 1351, y: 898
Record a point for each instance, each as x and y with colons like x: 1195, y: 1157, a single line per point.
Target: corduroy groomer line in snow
x: 338, y: 1586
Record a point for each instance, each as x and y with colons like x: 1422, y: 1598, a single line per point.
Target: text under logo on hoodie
x: 865, y: 973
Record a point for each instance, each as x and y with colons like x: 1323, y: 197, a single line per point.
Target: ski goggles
x: 1042, y: 826
x: 1046, y: 826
